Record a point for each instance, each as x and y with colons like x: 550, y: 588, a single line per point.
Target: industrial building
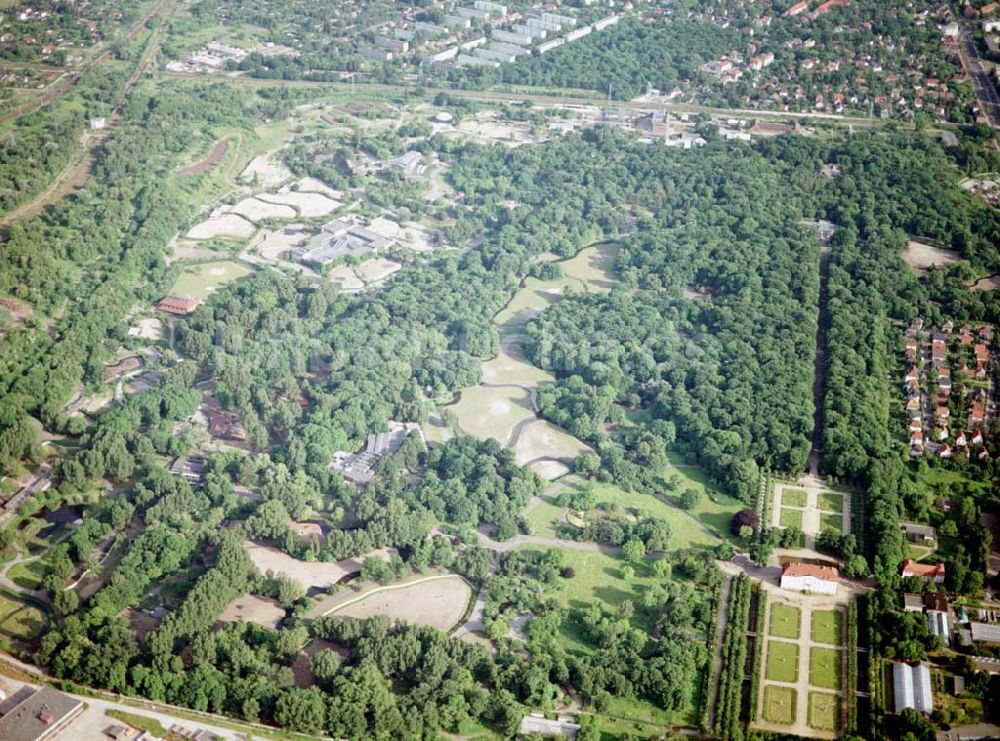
x: 340, y: 239
x: 32, y: 714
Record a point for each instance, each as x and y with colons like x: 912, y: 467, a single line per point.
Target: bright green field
x: 685, y: 531
x: 201, y: 280
x: 831, y: 502
x: 827, y: 627
x: 824, y: 667
x: 791, y: 518
x: 793, y: 498
x: 779, y: 704
x: 824, y: 711
x: 782, y: 661
x: 715, y: 512
x: 829, y: 521
x: 784, y: 621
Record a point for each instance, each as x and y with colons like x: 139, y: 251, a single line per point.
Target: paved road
x: 986, y: 91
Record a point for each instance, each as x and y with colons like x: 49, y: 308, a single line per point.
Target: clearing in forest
x: 493, y: 412
x: 314, y: 574
x: 920, y: 257
x: 198, y: 168
x: 203, y: 279
x: 436, y: 601
x: 253, y: 609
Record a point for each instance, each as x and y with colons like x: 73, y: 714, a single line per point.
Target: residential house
x: 934, y: 572
x: 917, y: 533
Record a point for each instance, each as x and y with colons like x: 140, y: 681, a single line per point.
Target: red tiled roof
x: 810, y: 569
x: 178, y: 304
x: 912, y: 568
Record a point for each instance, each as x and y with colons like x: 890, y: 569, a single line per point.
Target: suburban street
x: 986, y: 91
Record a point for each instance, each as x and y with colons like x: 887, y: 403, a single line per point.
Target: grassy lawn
x: 544, y: 517
x: 784, y: 621
x: 779, y: 704
x: 791, y: 518
x: 714, y: 510
x: 624, y: 717
x: 829, y: 521
x: 782, y: 661
x: 685, y: 532
x: 827, y: 627
x: 824, y: 667
x: 19, y: 620
x: 830, y: 501
x: 793, y: 498
x: 201, y: 280
x: 824, y: 711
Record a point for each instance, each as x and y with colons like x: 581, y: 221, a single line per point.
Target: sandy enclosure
x: 920, y: 257
x: 265, y: 172
x: 344, y: 275
x: 309, y: 205
x: 378, y: 269
x: 312, y: 574
x: 224, y: 225
x: 253, y: 609
x: 273, y: 242
x: 439, y: 602
x: 257, y: 210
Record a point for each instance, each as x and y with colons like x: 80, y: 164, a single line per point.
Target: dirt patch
x: 308, y: 205
x: 409, y: 234
x: 543, y: 439
x: 257, y: 210
x: 223, y: 225
x: 316, y: 574
x: 272, y: 243
x: 253, y: 609
x: 344, y: 275
x: 492, y: 412
x: 377, y: 269
x: 187, y: 250
x: 439, y: 602
x: 199, y: 168
x: 300, y: 667
x: 992, y: 283
x: 549, y: 470
x: 920, y: 257
x: 265, y: 172
x: 18, y: 310
x: 150, y: 329
x: 315, y: 185
x: 142, y: 622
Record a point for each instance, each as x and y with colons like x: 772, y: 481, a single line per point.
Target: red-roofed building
x: 811, y: 578
x: 797, y: 8
x: 927, y: 571
x: 828, y: 5
x: 179, y: 305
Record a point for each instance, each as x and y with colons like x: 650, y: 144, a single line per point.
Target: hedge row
x: 758, y: 651
x: 852, y: 667
x: 734, y: 659
x: 709, y: 674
